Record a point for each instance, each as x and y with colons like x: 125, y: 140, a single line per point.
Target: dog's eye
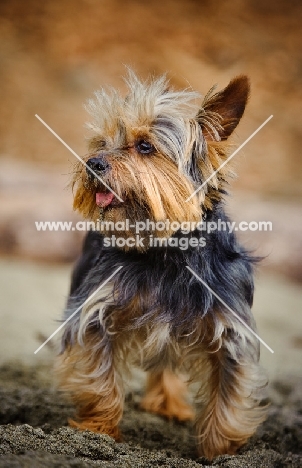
x: 144, y: 147
x: 102, y: 143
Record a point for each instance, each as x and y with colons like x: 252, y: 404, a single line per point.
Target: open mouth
x: 104, y: 199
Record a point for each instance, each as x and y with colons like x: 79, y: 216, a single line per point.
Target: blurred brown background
x: 55, y: 54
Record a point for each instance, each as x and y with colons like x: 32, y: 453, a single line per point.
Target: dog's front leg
x: 88, y: 373
x: 230, y: 397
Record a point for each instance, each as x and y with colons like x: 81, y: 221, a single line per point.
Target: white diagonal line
x: 230, y: 157
x: 78, y: 157
x: 234, y: 313
x: 79, y: 308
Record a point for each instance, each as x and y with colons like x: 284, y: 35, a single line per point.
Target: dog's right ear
x: 221, y: 112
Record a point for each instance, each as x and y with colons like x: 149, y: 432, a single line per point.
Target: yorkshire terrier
x: 156, y: 160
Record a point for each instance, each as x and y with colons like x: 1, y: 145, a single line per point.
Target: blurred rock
x: 29, y: 194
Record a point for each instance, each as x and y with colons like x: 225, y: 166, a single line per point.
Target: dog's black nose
x: 97, y: 165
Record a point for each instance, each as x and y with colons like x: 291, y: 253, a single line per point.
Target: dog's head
x: 151, y: 150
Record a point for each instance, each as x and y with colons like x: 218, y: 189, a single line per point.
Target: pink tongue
x: 103, y: 199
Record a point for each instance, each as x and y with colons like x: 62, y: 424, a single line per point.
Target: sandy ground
x: 33, y: 415
x: 34, y: 433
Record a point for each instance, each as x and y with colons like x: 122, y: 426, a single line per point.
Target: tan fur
x: 229, y: 395
x: 228, y: 409
x: 157, y: 184
x: 166, y: 395
x: 229, y: 414
x: 99, y: 401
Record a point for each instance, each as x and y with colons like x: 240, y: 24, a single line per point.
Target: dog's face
x: 151, y: 150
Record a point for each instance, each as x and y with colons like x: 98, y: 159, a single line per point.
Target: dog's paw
x: 95, y: 425
x: 170, y: 408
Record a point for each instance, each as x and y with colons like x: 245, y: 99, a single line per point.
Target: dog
x: 163, y: 301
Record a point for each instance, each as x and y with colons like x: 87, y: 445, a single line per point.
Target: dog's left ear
x: 221, y: 112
